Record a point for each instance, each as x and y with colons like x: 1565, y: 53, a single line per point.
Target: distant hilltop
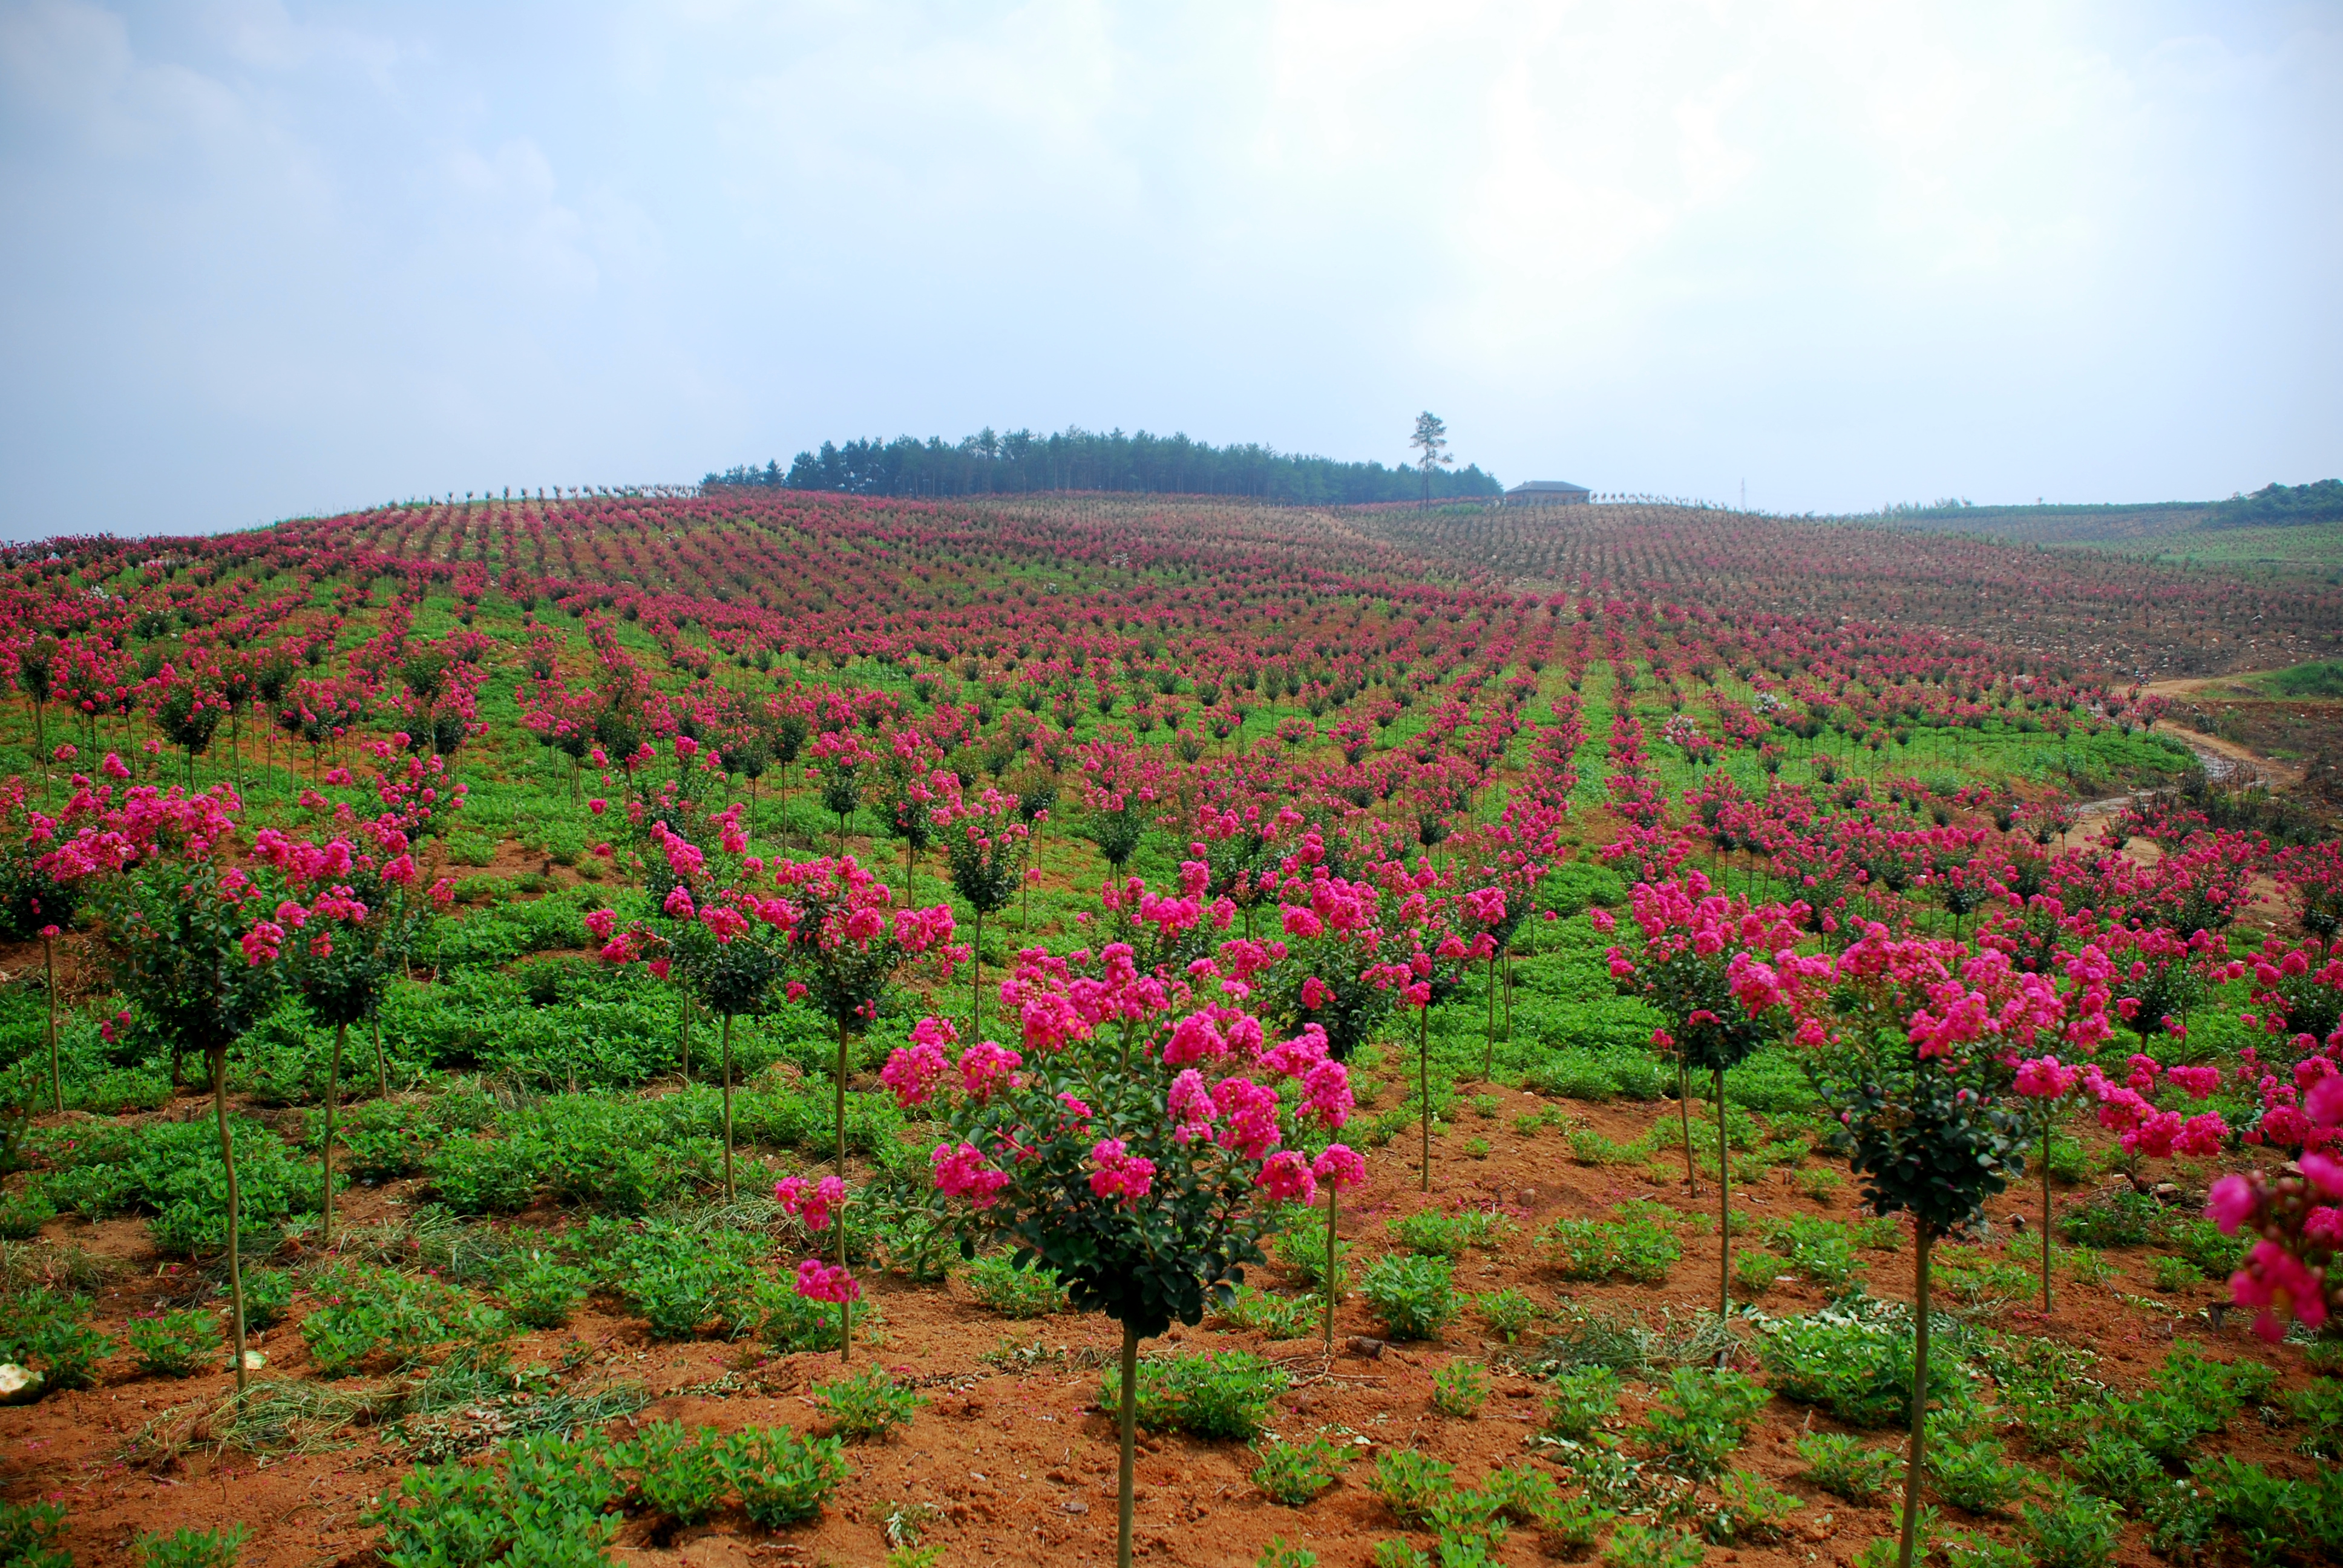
x: 1021, y: 462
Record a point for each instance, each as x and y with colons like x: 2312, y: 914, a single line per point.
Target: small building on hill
x: 1548, y: 492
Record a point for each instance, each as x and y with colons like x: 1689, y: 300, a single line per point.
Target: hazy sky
x: 262, y: 258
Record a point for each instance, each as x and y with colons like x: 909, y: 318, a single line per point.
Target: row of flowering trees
x: 206, y: 927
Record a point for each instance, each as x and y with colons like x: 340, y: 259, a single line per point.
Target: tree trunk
x: 1915, y: 1464
x: 381, y: 1065
x: 845, y: 1309
x: 235, y: 1259
x: 1130, y: 1421
x: 333, y: 1104
x: 976, y: 982
x: 1489, y: 1052
x: 728, y: 1108
x: 1723, y: 1210
x: 1684, y: 1115
x: 683, y: 1030
x: 57, y: 1081
x: 1424, y: 1085
x: 1333, y: 1201
x: 2046, y: 1216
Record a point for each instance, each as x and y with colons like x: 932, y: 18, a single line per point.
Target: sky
x: 260, y: 259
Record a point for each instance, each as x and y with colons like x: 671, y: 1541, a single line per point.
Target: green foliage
x: 1754, y: 1274
x: 1435, y: 1234
x: 1292, y: 1474
x: 1278, y: 1554
x: 1859, y: 1368
x: 1414, y: 1295
x: 22, y: 1214
x: 1974, y: 1477
x: 1509, y: 1313
x: 488, y: 1175
x: 1841, y: 1465
x: 685, y: 1281
x: 1982, y: 1552
x: 32, y: 1535
x: 267, y: 1297
x: 2118, y: 1468
x: 1584, y: 1397
x: 1014, y: 1289
x: 190, y: 1548
x: 1458, y: 1389
x: 1222, y: 1394
x: 2319, y: 1409
x: 1271, y: 1316
x: 383, y: 1139
x: 546, y: 1502
x: 1703, y: 1420
x: 2192, y: 1399
x: 175, y: 1344
x: 1822, y: 1251
x: 1640, y: 1250
x: 1412, y: 1483
x: 2274, y: 1519
x: 866, y: 1406
x: 2199, y: 1240
x: 2075, y: 1530
x: 677, y: 1470
x: 173, y: 1171
x: 1301, y: 1247
x: 364, y: 1312
x: 1643, y: 1546
x: 788, y: 1322
x: 1522, y: 1494
x: 1748, y: 1510
x: 545, y: 1294
x: 783, y: 1479
x: 48, y: 1333
x: 2116, y: 1216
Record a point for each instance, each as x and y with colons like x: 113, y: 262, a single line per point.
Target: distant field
x: 2309, y: 547
x: 2173, y: 533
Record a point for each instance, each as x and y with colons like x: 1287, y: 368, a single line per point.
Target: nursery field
x: 741, y: 1026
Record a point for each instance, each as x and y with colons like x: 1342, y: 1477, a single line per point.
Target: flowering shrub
x: 1142, y: 1172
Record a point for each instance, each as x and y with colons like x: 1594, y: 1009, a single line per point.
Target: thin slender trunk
x: 381, y: 1065
x: 728, y: 1108
x: 1130, y: 1424
x: 1333, y: 1199
x: 1424, y: 1085
x: 2046, y: 1216
x: 1684, y: 1115
x: 683, y: 1030
x: 1915, y: 1464
x: 1489, y: 1052
x: 333, y: 1104
x: 976, y: 982
x: 235, y: 1260
x: 845, y: 1309
x: 56, y: 1081
x: 1723, y: 1209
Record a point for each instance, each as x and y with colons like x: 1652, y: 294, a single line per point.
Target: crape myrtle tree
x: 343, y: 956
x: 847, y: 944
x: 1911, y: 1045
x: 985, y: 844
x: 1721, y: 975
x: 1146, y: 1181
x: 197, y: 953
x: 717, y: 937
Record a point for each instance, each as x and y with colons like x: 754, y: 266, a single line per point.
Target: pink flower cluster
x: 1115, y: 1172
x: 821, y: 1281
x: 815, y: 1202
